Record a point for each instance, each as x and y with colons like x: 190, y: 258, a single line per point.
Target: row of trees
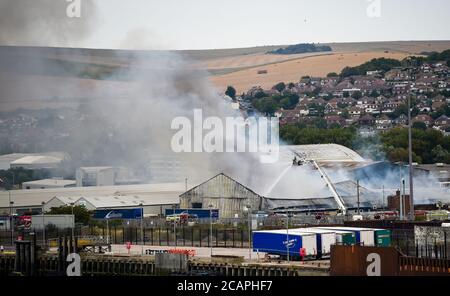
x: 381, y: 64
x: 384, y: 64
x: 429, y: 146
x: 268, y: 105
x: 301, y: 48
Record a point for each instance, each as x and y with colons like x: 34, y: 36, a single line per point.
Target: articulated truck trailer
x: 324, y: 239
x: 282, y: 242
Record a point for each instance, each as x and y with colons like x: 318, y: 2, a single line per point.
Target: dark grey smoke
x: 44, y: 22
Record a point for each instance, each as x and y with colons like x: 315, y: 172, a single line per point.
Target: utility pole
x: 383, y: 204
x: 411, y: 169
x: 175, y: 225
x: 11, y: 223
x: 11, y: 203
x: 402, y: 196
x: 357, y: 196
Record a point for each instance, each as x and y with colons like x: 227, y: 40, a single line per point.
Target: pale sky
x: 206, y: 24
x: 197, y: 24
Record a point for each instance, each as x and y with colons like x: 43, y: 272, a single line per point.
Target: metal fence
x: 196, y: 236
x: 406, y: 242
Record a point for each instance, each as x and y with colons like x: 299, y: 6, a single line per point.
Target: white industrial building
x: 154, y: 197
x: 95, y: 176
x: 49, y: 183
x: 104, y: 176
x: 32, y: 161
x: 37, y: 162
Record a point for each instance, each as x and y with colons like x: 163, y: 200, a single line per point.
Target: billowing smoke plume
x: 44, y: 22
x: 119, y: 105
x: 122, y: 103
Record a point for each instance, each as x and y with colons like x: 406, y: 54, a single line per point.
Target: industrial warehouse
x: 303, y: 181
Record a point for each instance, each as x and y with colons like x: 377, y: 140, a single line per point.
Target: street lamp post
x: 73, y: 228
x: 11, y: 223
x: 142, y: 228
x: 175, y: 225
x: 249, y: 214
x: 210, y: 231
x: 107, y: 231
x: 287, y: 236
x: 43, y: 225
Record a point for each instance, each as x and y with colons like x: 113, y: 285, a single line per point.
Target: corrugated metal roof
x: 50, y: 182
x: 36, y: 159
x: 321, y: 153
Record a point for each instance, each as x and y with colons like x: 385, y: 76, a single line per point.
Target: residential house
x: 367, y: 120
x: 383, y: 123
x: 355, y: 111
x: 424, y: 118
x: 401, y: 120
x: 335, y: 119
x: 442, y: 121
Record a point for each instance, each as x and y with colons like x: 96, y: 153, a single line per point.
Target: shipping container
x: 363, y: 236
x: 382, y: 237
x: 346, y: 238
x: 324, y: 239
x: 275, y: 242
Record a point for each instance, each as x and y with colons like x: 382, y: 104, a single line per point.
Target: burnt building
x: 223, y: 193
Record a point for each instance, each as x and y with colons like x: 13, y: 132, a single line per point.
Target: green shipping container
x: 382, y: 238
x: 346, y: 238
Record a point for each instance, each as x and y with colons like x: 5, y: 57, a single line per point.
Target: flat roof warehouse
x: 152, y: 196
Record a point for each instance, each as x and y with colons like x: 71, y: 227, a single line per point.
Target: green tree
x: 419, y: 125
x: 440, y: 154
x: 402, y: 109
x: 374, y: 94
x: 267, y: 106
x: 357, y: 95
x: 281, y: 86
x: 82, y: 215
x: 231, y: 92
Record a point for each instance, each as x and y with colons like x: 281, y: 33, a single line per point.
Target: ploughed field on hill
x: 32, y: 77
